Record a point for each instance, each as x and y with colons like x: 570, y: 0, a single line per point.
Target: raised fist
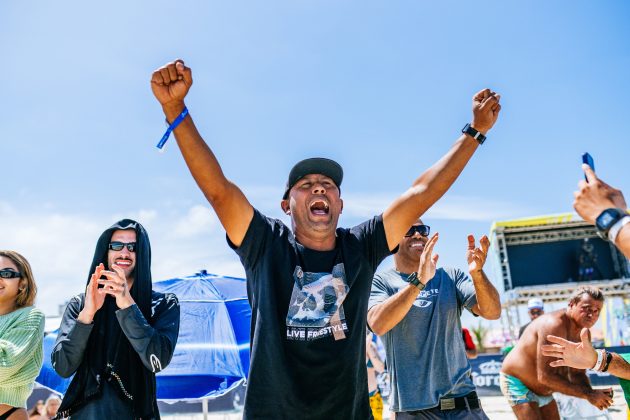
x: 485, y: 109
x: 171, y: 83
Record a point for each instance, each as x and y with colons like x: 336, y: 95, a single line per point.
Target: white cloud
x: 198, y: 220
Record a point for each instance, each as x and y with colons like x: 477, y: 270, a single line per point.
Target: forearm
x: 200, y: 160
x: 561, y: 384
x: 154, y: 347
x: 623, y: 240
x: 619, y: 367
x: 70, y: 347
x: 488, y: 300
x: 579, y: 377
x: 385, y: 316
x: 427, y: 189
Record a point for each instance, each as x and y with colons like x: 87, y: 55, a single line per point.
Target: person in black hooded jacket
x: 117, y: 335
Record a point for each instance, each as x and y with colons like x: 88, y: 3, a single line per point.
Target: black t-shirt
x: 309, y: 312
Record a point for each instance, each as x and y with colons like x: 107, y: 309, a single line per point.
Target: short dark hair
x: 592, y: 291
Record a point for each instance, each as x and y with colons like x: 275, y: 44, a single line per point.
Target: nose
x: 319, y: 189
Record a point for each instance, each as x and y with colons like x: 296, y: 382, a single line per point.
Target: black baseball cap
x: 323, y: 166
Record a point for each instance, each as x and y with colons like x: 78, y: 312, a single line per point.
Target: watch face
x: 607, y: 218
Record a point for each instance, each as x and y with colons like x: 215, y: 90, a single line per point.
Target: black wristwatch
x: 474, y: 133
x: 607, y: 219
x: 413, y: 279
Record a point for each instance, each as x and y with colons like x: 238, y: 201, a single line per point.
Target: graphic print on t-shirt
x: 315, y: 308
x: 423, y: 299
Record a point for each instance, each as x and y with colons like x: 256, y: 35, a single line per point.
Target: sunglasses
x: 423, y: 230
x: 118, y: 246
x: 10, y: 274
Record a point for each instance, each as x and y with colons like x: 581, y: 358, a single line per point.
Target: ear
x: 341, y: 210
x: 284, y: 205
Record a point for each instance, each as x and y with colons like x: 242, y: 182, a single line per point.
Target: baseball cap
x: 323, y: 166
x: 535, y: 303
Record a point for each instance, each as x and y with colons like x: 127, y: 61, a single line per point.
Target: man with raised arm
x: 309, y: 285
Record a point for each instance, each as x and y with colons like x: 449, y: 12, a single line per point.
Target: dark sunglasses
x: 10, y: 274
x: 118, y: 246
x: 423, y: 230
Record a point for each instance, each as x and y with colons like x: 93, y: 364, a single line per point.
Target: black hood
x: 141, y: 290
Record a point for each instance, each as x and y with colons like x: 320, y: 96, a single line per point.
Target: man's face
x: 314, y: 204
x: 586, y: 311
x: 123, y: 258
x: 412, y: 246
x: 535, y: 313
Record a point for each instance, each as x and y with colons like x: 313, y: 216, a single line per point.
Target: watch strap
x: 474, y: 133
x: 413, y: 279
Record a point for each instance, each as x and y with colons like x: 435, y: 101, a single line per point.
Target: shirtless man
x: 527, y: 380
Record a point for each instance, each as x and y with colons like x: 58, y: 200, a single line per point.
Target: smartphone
x: 588, y: 159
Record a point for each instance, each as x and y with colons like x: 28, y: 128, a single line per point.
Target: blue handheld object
x: 588, y: 159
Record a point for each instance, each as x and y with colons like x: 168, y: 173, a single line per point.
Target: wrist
x: 125, y: 302
x: 474, y: 273
x: 483, y: 129
x: 173, y: 109
x: 85, y: 317
x: 416, y: 281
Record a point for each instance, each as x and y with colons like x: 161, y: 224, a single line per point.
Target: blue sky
x: 382, y: 87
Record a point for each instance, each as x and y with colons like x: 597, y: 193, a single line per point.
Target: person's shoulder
x: 31, y: 313
x: 386, y: 276
x: 261, y: 218
x: 550, y: 321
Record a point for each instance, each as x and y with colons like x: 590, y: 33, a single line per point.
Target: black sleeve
x: 72, y: 340
x: 154, y: 344
x: 372, y: 235
x: 260, y: 234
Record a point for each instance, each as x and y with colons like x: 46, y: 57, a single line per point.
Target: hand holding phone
x: 588, y: 159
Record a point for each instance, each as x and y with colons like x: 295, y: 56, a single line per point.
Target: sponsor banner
x: 486, y: 369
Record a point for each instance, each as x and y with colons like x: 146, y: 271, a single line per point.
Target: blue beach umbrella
x: 212, y: 353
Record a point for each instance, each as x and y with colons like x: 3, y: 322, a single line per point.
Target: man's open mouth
x: 319, y: 208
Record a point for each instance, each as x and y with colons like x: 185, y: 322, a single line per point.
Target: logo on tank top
x: 316, y: 305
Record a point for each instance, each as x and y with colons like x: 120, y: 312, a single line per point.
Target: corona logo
x: 490, y: 368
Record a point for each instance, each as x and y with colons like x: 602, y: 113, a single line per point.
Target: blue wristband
x: 172, y: 127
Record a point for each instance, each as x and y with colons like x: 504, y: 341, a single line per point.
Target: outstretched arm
x: 170, y: 84
x: 436, y: 180
x: 553, y: 379
x: 582, y: 355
